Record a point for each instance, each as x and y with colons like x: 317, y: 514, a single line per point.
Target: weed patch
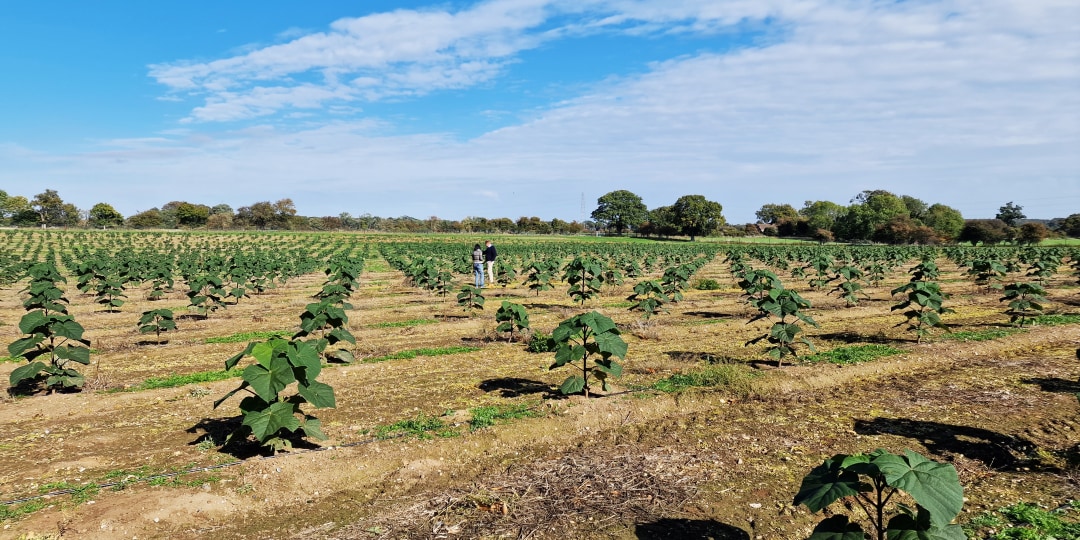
x: 1027, y: 521
x: 244, y: 337
x: 855, y: 354
x: 421, y: 427
x: 1056, y: 320
x: 482, y: 417
x: 982, y: 335
x: 16, y: 511
x: 173, y: 381
x: 413, y: 353
x: 403, y: 324
x: 736, y: 379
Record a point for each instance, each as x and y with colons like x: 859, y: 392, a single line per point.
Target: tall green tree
x: 697, y: 216
x: 53, y: 211
x: 620, y: 209
x: 1070, y: 226
x: 192, y: 215
x: 868, y: 211
x: 822, y: 214
x: 148, y: 219
x: 104, y: 215
x: 775, y: 213
x: 946, y: 221
x: 661, y: 222
x: 916, y: 207
x: 1010, y: 213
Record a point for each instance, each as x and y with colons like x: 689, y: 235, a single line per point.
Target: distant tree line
x: 871, y: 216
x: 48, y: 209
x: 881, y: 216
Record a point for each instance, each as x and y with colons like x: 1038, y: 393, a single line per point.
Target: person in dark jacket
x: 489, y: 256
x: 478, y: 266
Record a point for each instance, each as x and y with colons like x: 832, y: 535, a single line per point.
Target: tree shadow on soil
x: 1056, y: 385
x: 710, y: 314
x: 689, y: 529
x: 856, y: 337
x: 993, y: 449
x: 695, y: 356
x: 147, y: 342
x: 216, y: 430
x: 514, y: 386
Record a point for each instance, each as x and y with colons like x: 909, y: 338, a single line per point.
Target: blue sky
x: 523, y: 107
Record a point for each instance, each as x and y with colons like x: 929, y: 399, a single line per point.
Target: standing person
x: 489, y: 256
x: 478, y: 266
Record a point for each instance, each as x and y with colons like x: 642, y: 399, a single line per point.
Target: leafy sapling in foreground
x: 648, y: 298
x: 1025, y: 301
x: 877, y: 483
x: 786, y: 306
x: 157, y: 321
x: 511, y: 317
x: 51, y: 335
x: 584, y: 338
x: 268, y: 414
x: 470, y: 299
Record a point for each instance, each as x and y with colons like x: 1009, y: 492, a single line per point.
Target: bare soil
x: 634, y: 463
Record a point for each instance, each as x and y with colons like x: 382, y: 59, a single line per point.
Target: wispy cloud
x: 414, y: 52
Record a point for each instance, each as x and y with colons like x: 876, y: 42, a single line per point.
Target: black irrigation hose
x: 192, y: 470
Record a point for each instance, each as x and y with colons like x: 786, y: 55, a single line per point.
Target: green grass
x: 403, y: 324
x: 1026, y: 521
x: 173, y: 381
x: 982, y: 335
x: 248, y: 336
x: 621, y: 304
x: 16, y: 511
x: 421, y: 427
x: 413, y: 353
x: 1056, y: 320
x: 734, y: 378
x: 10, y: 359
x: 490, y: 415
x: 855, y: 354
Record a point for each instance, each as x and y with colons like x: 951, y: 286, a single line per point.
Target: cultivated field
x: 445, y: 428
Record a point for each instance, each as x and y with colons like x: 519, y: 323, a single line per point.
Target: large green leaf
x: 827, y: 483
x: 568, y: 352
x: 32, y: 321
x: 610, y: 343
x: 28, y: 371
x: 303, y: 354
x: 266, y: 422
x: 313, y: 428
x: 19, y: 346
x: 341, y: 334
x: 934, y: 486
x: 837, y: 528
x: 268, y: 382
x: 572, y: 385
x: 263, y: 352
x: 76, y: 354
x: 319, y: 394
